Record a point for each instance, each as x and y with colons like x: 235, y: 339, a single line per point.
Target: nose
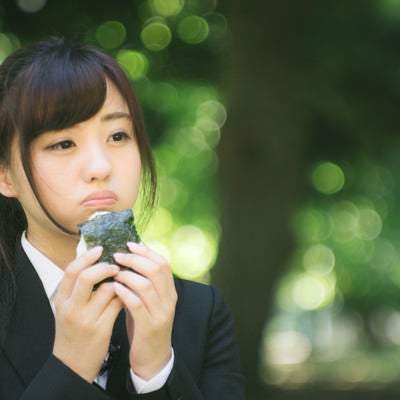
x: 96, y: 164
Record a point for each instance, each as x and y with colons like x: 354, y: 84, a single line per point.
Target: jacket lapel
x: 30, y: 336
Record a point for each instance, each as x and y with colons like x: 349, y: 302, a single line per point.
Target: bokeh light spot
x: 218, y: 26
x: 111, y: 34
x: 134, y: 63
x: 213, y: 110
x: 156, y: 36
x: 313, y: 225
x: 287, y: 348
x: 160, y: 225
x: 170, y: 190
x: 192, y: 252
x: 31, y: 6
x: 6, y: 46
x: 385, y: 255
x: 328, y: 178
x: 309, y: 292
x: 369, y: 224
x: 167, y: 8
x: 193, y: 29
x: 345, y: 215
x: 211, y: 133
x: 319, y: 259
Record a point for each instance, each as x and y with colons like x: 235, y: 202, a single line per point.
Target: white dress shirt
x: 51, y: 275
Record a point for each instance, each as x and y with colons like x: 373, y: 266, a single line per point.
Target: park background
x: 276, y: 132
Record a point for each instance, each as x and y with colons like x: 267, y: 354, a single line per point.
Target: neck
x: 59, y: 248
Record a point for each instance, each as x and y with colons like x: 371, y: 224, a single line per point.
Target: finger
x: 141, y: 249
x: 72, y: 272
x: 160, y: 263
x: 131, y: 301
x: 137, y: 263
x: 88, y: 278
x: 101, y: 298
x: 111, y: 311
x: 158, y: 273
x: 142, y: 287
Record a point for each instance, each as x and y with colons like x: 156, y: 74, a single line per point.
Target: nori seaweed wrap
x: 111, y: 230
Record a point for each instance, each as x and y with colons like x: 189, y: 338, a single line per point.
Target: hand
x: 149, y: 296
x: 85, y: 318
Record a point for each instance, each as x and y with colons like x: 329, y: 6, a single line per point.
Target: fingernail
x: 120, y: 257
x: 134, y: 245
x: 97, y: 249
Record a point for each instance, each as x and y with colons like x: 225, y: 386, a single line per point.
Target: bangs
x: 60, y: 95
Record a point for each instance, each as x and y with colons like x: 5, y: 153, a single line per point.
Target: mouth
x: 99, y: 199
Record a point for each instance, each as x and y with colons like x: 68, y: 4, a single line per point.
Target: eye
x: 63, y: 145
x: 120, y: 136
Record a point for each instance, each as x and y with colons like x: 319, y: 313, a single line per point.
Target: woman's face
x: 92, y: 166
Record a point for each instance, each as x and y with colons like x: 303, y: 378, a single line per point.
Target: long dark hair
x: 51, y: 85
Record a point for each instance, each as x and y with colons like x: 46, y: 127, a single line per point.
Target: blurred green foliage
x: 336, y: 316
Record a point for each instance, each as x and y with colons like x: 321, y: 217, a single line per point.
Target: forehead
x: 114, y: 99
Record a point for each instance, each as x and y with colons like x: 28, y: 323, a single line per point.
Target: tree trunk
x: 260, y: 165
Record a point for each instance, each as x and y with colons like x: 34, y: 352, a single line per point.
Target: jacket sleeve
x: 222, y: 377
x: 219, y: 376
x: 56, y: 381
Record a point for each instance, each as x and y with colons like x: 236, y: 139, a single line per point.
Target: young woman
x: 72, y: 143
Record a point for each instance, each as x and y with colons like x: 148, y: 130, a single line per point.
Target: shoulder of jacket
x: 195, y: 295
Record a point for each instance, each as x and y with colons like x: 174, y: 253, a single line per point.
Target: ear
x: 6, y: 185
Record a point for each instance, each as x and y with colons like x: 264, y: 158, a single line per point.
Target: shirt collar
x: 49, y: 273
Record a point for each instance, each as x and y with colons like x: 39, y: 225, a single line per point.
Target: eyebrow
x: 116, y: 115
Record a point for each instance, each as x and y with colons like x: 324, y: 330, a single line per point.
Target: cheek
x: 132, y: 176
x: 51, y: 180
x: 133, y: 162
x: 135, y: 175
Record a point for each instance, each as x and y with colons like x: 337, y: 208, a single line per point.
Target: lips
x: 101, y: 198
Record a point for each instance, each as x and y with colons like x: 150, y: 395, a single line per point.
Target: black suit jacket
x: 206, y: 359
